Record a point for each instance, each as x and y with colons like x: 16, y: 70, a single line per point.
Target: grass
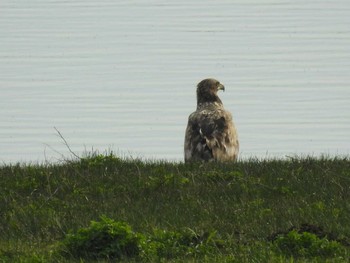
x: 289, y: 210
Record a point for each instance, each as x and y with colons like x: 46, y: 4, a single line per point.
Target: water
x: 121, y: 75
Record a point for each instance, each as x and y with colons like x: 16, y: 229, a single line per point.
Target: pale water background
x: 121, y: 75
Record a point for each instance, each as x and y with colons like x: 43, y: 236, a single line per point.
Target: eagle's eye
x: 217, y: 83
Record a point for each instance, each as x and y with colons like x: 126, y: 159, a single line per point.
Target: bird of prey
x: 210, y: 134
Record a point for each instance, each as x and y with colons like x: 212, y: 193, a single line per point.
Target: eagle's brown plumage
x: 210, y: 134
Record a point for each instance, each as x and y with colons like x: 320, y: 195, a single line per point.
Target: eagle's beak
x: 221, y: 87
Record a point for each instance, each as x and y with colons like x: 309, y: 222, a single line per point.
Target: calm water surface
x: 121, y: 75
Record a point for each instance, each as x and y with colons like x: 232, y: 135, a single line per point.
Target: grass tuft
x: 102, y: 239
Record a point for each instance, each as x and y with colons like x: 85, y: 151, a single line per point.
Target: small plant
x: 173, y: 244
x: 109, y: 239
x: 306, y: 244
x: 166, y: 180
x: 104, y: 239
x: 99, y: 160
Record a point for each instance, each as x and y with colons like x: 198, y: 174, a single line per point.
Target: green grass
x: 249, y: 211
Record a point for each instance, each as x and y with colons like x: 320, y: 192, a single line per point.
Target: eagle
x: 210, y: 134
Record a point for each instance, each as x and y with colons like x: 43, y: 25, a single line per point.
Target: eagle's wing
x: 211, y: 135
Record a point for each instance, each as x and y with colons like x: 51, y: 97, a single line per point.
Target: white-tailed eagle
x: 210, y: 134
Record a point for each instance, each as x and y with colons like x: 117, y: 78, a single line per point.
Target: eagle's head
x: 207, y: 91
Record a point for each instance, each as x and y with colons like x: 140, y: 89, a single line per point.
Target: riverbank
x: 249, y: 211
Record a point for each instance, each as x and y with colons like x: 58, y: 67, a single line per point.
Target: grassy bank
x: 249, y: 211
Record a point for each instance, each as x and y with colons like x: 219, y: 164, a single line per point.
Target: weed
x: 306, y: 244
x: 174, y: 244
x: 109, y: 239
x: 104, y: 239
